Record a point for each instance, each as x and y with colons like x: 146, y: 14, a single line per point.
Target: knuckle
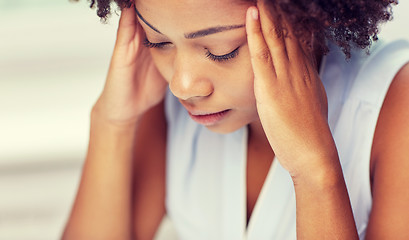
x: 263, y: 55
x: 274, y: 32
x: 271, y: 32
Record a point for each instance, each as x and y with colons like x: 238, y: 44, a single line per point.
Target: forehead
x: 192, y: 15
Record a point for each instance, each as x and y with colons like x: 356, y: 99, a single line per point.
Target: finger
x: 261, y: 60
x: 127, y: 26
x: 286, y: 50
x: 296, y: 53
x: 301, y: 57
x: 274, y: 36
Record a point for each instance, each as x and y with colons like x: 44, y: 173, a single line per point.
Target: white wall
x: 53, y: 59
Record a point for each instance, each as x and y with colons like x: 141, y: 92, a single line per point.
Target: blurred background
x: 54, y: 55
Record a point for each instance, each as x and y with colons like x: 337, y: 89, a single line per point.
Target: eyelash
x: 223, y: 58
x: 148, y: 44
x: 216, y: 58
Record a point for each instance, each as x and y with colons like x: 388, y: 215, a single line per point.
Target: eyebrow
x: 212, y: 30
x: 196, y: 34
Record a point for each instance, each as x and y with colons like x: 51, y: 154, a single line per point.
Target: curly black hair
x: 348, y: 23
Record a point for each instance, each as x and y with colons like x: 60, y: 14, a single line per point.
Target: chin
x: 224, y: 128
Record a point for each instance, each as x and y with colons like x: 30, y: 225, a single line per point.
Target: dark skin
x: 115, y: 149
x: 259, y: 159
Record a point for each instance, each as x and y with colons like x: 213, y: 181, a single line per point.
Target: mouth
x: 209, y: 119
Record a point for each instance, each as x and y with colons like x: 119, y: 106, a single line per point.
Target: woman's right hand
x: 133, y: 84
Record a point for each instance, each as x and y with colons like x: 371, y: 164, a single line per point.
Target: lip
x: 208, y: 119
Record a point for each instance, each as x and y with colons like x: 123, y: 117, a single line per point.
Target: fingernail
x: 254, y: 14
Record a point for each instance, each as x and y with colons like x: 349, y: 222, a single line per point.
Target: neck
x: 257, y: 137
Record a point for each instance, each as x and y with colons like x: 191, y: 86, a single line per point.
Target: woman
x: 250, y: 145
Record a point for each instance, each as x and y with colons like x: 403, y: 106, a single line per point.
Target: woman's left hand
x: 291, y: 99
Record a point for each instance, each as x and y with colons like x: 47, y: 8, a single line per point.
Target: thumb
x: 127, y: 26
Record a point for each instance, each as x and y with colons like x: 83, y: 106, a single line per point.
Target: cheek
x: 247, y: 86
x: 242, y: 78
x: 163, y: 63
x: 246, y: 70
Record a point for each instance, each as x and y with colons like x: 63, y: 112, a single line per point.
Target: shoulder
x: 390, y: 163
x: 393, y: 116
x: 392, y: 129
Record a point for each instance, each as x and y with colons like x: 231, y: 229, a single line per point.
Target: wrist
x: 111, y: 141
x: 99, y: 117
x: 323, y: 176
x: 110, y: 133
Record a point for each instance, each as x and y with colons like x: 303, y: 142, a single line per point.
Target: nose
x: 190, y: 79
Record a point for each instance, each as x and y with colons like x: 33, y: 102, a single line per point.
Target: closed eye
x: 223, y: 58
x: 213, y: 57
x: 149, y: 44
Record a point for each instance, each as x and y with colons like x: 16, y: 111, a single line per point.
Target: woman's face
x: 200, y: 48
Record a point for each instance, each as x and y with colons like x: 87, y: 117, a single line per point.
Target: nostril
x: 188, y: 86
